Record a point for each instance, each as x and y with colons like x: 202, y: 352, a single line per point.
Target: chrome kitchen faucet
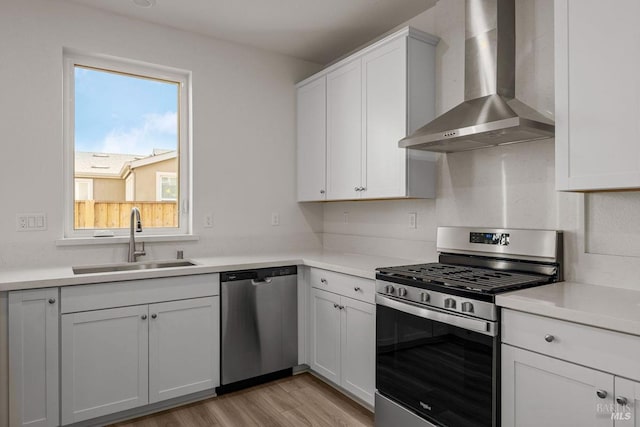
x: 133, y: 253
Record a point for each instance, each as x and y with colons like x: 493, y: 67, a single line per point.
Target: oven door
x: 441, y: 366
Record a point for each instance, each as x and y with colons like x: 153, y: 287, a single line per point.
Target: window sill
x: 82, y: 241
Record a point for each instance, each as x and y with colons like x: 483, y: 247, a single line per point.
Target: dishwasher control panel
x: 258, y: 274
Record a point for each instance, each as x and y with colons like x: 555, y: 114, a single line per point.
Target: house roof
x: 113, y: 165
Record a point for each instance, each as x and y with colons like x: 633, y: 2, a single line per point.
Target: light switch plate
x: 413, y: 220
x: 31, y: 222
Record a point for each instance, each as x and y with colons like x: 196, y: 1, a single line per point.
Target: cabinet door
x: 104, y: 362
x: 542, y: 391
x: 358, y: 348
x: 384, y: 99
x: 312, y: 142
x: 627, y: 410
x: 325, y: 334
x: 33, y: 358
x: 597, y: 97
x: 184, y: 347
x: 344, y: 132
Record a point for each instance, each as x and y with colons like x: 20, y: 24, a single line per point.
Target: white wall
x: 243, y: 133
x: 511, y: 186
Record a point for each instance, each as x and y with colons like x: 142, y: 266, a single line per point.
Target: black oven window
x: 439, y: 371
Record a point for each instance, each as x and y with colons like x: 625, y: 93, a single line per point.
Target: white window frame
x: 89, y: 183
x: 130, y: 188
x: 136, y: 68
x: 159, y: 176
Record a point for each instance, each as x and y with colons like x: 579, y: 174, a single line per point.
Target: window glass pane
x: 126, y: 132
x: 169, y: 188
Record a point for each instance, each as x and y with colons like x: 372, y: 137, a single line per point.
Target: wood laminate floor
x: 300, y: 400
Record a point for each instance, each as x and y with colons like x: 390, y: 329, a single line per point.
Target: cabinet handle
x: 601, y: 393
x: 335, y: 305
x: 357, y: 188
x: 153, y: 316
x: 321, y: 191
x: 323, y: 281
x: 52, y: 300
x: 549, y: 338
x: 363, y: 188
x: 357, y: 289
x: 143, y: 317
x: 622, y: 401
x: 341, y: 307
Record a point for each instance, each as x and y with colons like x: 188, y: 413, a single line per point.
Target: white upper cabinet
x: 344, y: 132
x: 374, y: 98
x: 311, y: 134
x: 597, y: 95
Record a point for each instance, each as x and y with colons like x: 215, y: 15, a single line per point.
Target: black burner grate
x: 477, y: 279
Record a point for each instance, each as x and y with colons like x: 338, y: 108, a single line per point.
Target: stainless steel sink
x: 133, y: 266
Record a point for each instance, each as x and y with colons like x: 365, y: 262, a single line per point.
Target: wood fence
x: 97, y: 214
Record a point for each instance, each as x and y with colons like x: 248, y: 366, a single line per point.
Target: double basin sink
x: 134, y: 266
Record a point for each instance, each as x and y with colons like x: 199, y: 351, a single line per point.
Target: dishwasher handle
x: 264, y: 281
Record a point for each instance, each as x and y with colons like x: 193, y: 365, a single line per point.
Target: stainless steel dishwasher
x: 259, y: 322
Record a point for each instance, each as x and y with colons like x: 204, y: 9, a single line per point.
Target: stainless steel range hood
x: 490, y: 114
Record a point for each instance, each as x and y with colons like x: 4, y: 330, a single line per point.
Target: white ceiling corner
x: 314, y: 30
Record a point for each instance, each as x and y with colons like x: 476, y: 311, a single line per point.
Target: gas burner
x: 463, y: 277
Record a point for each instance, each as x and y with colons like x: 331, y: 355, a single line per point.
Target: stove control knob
x: 402, y: 292
x: 449, y: 303
x: 389, y: 289
x: 424, y: 297
x: 467, y: 307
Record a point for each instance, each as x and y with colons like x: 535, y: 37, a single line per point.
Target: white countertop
x: 601, y: 306
x: 354, y: 264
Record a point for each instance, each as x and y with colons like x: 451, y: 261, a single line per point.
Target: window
x: 126, y: 145
x: 166, y: 186
x: 83, y: 189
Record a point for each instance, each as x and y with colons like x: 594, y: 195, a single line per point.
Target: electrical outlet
x: 413, y: 220
x: 31, y: 222
x: 275, y: 218
x: 345, y: 217
x: 208, y: 220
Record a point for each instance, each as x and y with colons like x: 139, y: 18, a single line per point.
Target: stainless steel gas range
x: 438, y: 328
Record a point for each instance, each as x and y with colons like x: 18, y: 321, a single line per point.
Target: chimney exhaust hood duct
x: 490, y: 114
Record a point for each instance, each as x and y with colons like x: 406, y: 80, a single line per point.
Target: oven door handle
x: 481, y: 326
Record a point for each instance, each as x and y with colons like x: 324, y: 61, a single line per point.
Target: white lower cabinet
x: 105, y: 363
x: 122, y: 358
x: 33, y: 358
x: 343, y: 342
x: 558, y: 373
x: 542, y: 391
x: 358, y: 348
x: 627, y: 403
x: 183, y: 347
x: 325, y: 334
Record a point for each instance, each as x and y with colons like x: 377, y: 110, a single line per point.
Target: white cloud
x: 157, y: 131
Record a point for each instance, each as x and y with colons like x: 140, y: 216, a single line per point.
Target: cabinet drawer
x: 598, y: 348
x: 136, y: 292
x: 344, y: 284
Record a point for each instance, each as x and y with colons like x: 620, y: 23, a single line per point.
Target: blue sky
x: 115, y: 113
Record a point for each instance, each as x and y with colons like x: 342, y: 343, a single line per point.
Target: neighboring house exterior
x: 126, y: 177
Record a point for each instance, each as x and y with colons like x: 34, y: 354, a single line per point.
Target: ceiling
x: 315, y: 30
